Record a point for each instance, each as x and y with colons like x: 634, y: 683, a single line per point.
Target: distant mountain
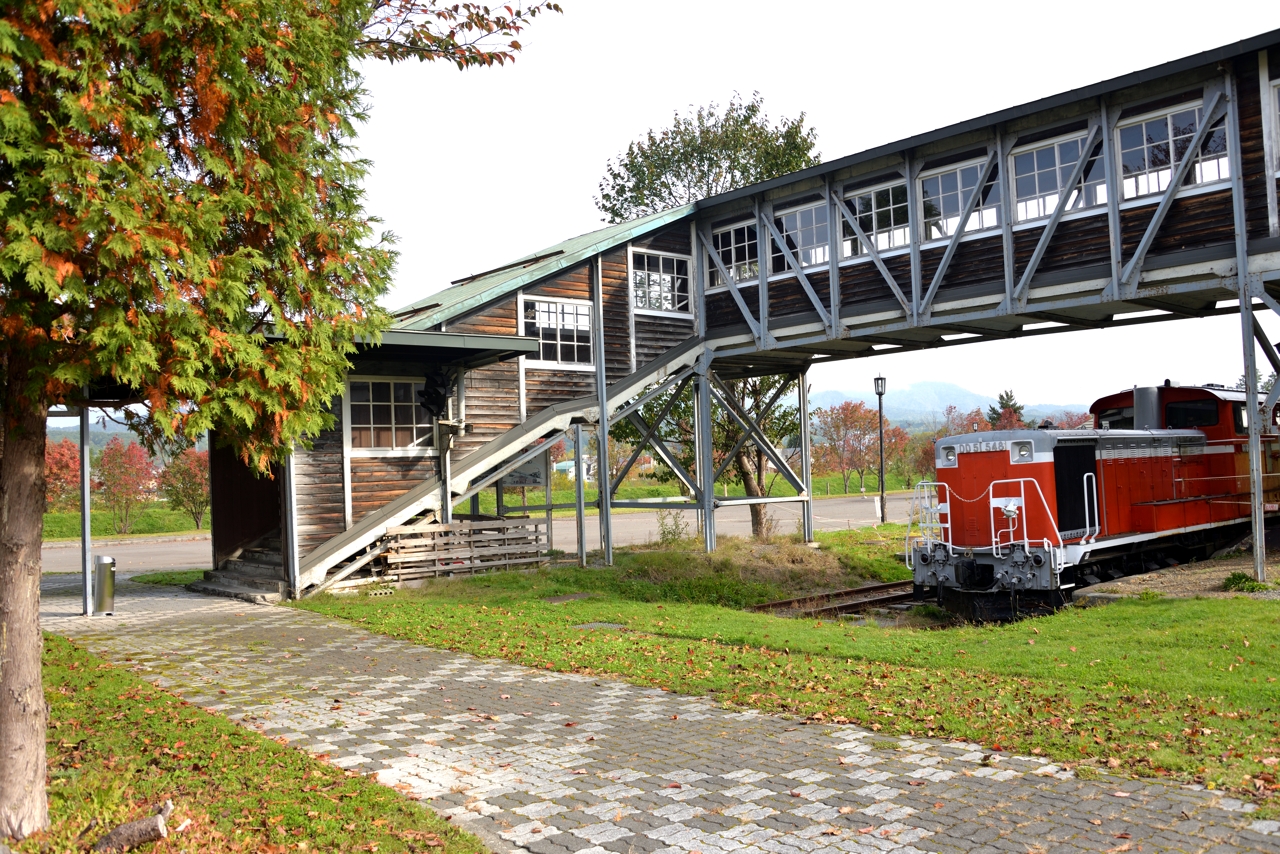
x: 922, y: 404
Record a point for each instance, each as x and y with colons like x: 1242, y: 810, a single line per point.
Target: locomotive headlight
x: 1021, y: 452
x: 1024, y: 451
x: 950, y: 455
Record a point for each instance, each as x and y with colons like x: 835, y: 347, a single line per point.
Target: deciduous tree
x: 181, y: 219
x: 124, y: 478
x: 184, y: 482
x: 701, y: 155
x: 847, y: 438
x: 62, y: 474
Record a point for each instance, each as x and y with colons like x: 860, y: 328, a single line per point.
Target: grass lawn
x: 1185, y: 689
x: 118, y: 745
x: 175, y: 578
x: 156, y: 519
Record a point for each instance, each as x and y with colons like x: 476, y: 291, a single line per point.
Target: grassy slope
x: 118, y: 745
x: 156, y: 519
x: 1182, y: 688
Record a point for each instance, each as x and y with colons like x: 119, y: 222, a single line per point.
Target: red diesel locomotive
x: 1017, y: 519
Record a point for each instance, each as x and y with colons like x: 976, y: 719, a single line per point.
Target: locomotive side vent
x: 1071, y: 462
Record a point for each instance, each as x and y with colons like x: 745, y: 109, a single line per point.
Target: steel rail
x: 854, y: 598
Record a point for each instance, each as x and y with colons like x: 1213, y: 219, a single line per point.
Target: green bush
x: 1242, y: 582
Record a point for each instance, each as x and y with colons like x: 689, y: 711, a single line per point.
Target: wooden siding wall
x: 656, y: 334
x: 375, y: 481
x: 1081, y: 245
x: 317, y: 474
x: 493, y: 392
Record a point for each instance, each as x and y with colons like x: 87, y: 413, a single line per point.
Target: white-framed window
x: 1040, y: 175
x: 563, y: 327
x: 738, y: 251
x: 805, y: 231
x: 659, y: 282
x: 943, y: 195
x: 884, y: 216
x: 383, y: 415
x: 1152, y: 146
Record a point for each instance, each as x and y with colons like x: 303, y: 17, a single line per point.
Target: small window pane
x: 381, y: 413
x: 359, y: 392
x: 404, y: 437
x: 361, y: 437
x: 382, y: 437
x: 381, y: 392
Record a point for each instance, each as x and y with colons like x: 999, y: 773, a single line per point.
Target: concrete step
x: 249, y: 582
x: 215, y: 588
x: 252, y: 568
x: 263, y: 555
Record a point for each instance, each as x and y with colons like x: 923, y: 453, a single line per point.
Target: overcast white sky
x: 472, y: 169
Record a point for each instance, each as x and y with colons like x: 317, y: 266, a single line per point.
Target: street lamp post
x: 880, y: 398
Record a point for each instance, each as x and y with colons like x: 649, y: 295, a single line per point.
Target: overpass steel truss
x: 1137, y: 285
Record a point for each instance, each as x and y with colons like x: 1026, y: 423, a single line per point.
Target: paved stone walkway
x: 554, y: 763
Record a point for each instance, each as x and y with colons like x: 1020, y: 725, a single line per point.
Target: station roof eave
x: 473, y: 292
x: 402, y: 349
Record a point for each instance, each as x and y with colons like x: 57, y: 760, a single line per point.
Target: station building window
x: 385, y: 415
x: 806, y: 232
x: 884, y: 216
x: 1152, y: 147
x: 1040, y: 176
x: 945, y: 194
x: 659, y: 282
x: 564, y: 329
x: 738, y: 251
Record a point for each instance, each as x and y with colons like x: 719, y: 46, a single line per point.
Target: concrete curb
x: 1085, y: 598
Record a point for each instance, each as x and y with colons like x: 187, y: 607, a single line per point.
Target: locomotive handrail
x: 1087, y: 539
x: 1022, y: 486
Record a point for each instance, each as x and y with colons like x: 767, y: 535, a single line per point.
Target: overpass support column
x: 806, y: 448
x: 706, y: 458
x: 1257, y: 417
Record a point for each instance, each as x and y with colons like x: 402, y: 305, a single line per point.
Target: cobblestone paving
x: 554, y: 763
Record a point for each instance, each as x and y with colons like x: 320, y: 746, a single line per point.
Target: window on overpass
x: 945, y: 194
x: 805, y: 231
x: 737, y: 248
x: 1150, y: 149
x: 1040, y: 175
x: 883, y: 215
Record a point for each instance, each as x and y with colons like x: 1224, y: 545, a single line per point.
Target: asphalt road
x: 829, y: 514
x: 134, y: 556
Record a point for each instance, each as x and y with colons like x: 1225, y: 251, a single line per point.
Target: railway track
x: 843, y: 601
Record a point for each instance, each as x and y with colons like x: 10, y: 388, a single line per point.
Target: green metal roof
x: 476, y: 291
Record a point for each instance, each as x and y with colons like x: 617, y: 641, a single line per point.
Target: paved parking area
x: 554, y: 763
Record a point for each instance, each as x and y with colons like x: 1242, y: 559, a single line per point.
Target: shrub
x: 185, y: 483
x: 1242, y: 582
x: 62, y: 475
x: 125, y: 475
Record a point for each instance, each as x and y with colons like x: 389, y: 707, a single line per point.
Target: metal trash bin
x: 104, y: 585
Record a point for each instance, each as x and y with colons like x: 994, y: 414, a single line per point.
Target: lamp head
x: 880, y: 382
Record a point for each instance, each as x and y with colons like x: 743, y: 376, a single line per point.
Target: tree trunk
x: 23, y: 809
x: 742, y: 462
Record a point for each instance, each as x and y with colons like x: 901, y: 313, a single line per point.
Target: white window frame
x: 358, y: 453
x: 851, y: 247
x: 979, y: 211
x: 631, y: 285
x: 1051, y: 200
x: 540, y: 364
x: 823, y: 248
x: 713, y: 272
x: 1165, y: 113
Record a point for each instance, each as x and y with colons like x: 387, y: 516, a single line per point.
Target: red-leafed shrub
x: 185, y: 483
x: 124, y: 477
x: 62, y: 475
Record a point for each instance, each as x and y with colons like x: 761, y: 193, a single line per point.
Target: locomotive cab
x: 1017, y: 519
